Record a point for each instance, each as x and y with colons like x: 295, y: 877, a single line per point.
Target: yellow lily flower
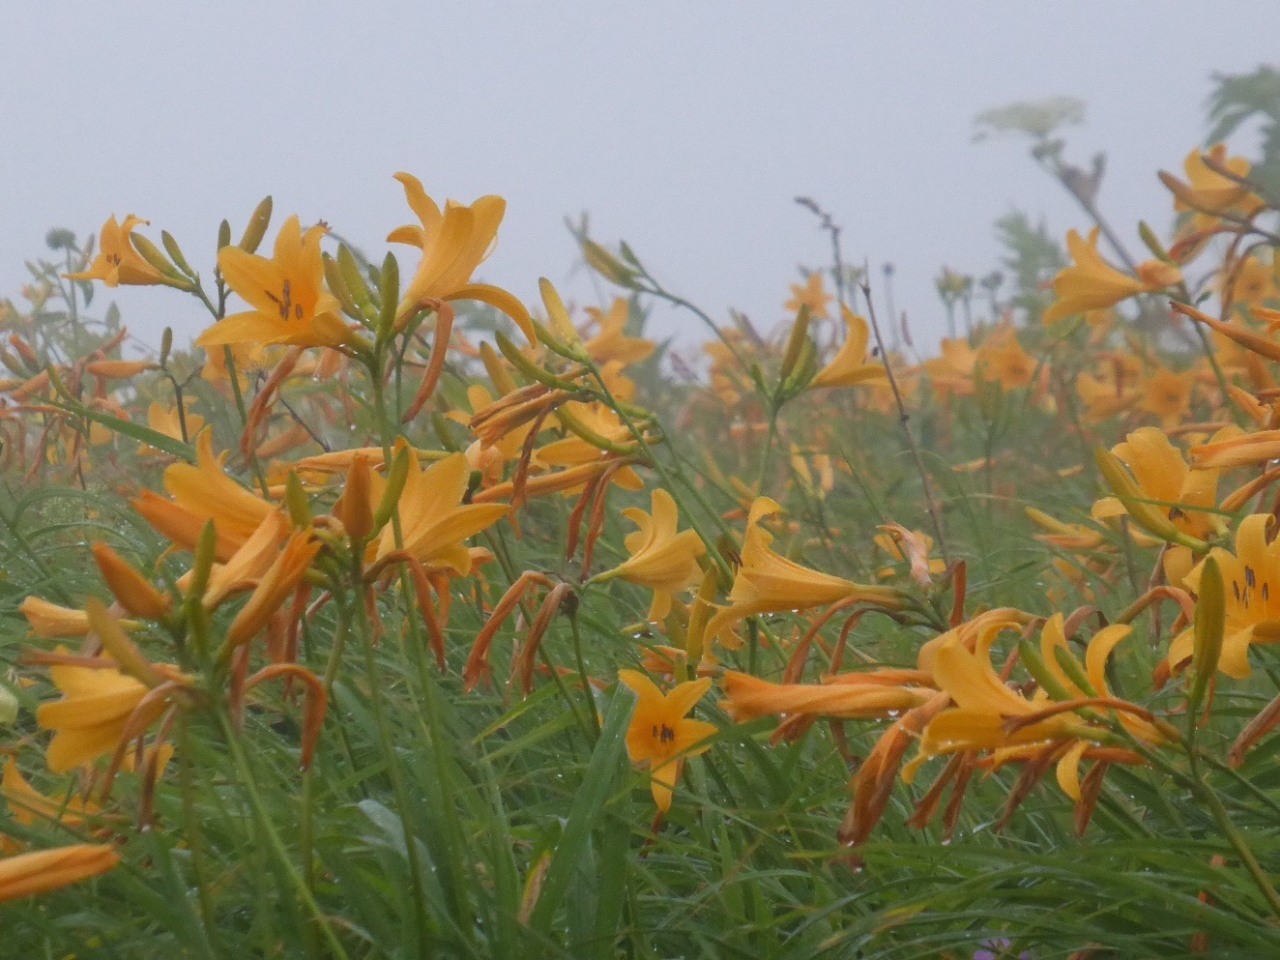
x: 850, y: 366
x: 1251, y: 578
x: 812, y: 294
x: 660, y: 735
x: 611, y: 341
x: 874, y: 695
x: 951, y: 374
x: 201, y: 493
x: 453, y: 244
x: 117, y: 262
x: 1091, y: 283
x: 96, y: 706
x: 274, y: 587
x: 1163, y: 475
x: 290, y: 304
x: 769, y: 583
x: 1208, y: 193
x: 661, y: 559
x: 433, y: 521
x: 166, y: 421
x: 985, y: 706
x: 41, y: 871
x: 1002, y: 359
x: 51, y: 621
x: 27, y: 804
x: 1167, y: 395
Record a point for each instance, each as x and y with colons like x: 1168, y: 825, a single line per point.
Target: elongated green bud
x: 1211, y: 618
x: 795, y: 343
x: 224, y: 234
x: 117, y: 643
x: 206, y: 550
x: 1040, y: 671
x: 295, y: 499
x: 355, y: 284
x: 338, y: 287
x: 1145, y: 515
x: 1153, y: 242
x: 153, y: 255
x: 397, y: 476
x: 443, y: 433
x: 256, y: 228
x: 607, y: 265
x: 527, y: 366
x: 389, y: 293
x: 1075, y: 673
x: 175, y: 252
x: 166, y: 345
x: 498, y: 374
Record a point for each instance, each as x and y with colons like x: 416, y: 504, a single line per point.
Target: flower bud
x: 175, y: 252
x: 338, y: 287
x: 352, y: 507
x: 295, y: 500
x: 130, y: 588
x: 607, y: 265
x: 166, y: 345
x: 224, y: 234
x: 117, y: 643
x: 389, y: 294
x: 206, y: 550
x: 1210, y: 626
x: 256, y: 228
x: 498, y: 374
x: 397, y: 476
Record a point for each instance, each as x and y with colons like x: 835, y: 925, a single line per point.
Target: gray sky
x: 685, y: 127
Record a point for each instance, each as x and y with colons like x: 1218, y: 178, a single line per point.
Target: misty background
x: 684, y: 127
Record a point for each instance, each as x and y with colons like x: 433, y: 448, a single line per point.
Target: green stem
x: 273, y: 838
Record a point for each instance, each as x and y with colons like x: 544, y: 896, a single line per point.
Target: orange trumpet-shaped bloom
x: 290, y: 304
x: 1251, y: 578
x: 1164, y: 477
x: 96, y: 706
x: 30, y: 873
x: 850, y: 696
x: 454, y: 243
x: 53, y: 622
x: 1091, y: 283
x: 810, y: 294
x: 1208, y: 193
x: 275, y: 586
x: 770, y: 583
x: 27, y: 804
x: 661, y: 735
x: 117, y: 261
x: 662, y: 559
x: 201, y: 493
x: 433, y: 520
x: 850, y: 366
x: 611, y: 341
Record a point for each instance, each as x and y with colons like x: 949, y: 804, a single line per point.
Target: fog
x: 685, y: 128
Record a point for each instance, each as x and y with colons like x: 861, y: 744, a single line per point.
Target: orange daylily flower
x: 1167, y: 395
x: 97, y: 705
x: 43, y: 870
x: 51, y: 621
x: 1251, y: 578
x: 454, y: 243
x: 274, y: 587
x: 290, y: 304
x: 433, y: 520
x: 1091, y: 283
x: 27, y: 804
x: 850, y: 365
x: 611, y: 341
x: 661, y: 735
x: 166, y: 421
x: 661, y: 559
x: 200, y: 493
x: 130, y: 588
x: 769, y: 583
x: 1163, y: 476
x: 1208, y: 193
x: 1002, y: 359
x: 117, y: 262
x: 810, y: 294
x: 873, y: 695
